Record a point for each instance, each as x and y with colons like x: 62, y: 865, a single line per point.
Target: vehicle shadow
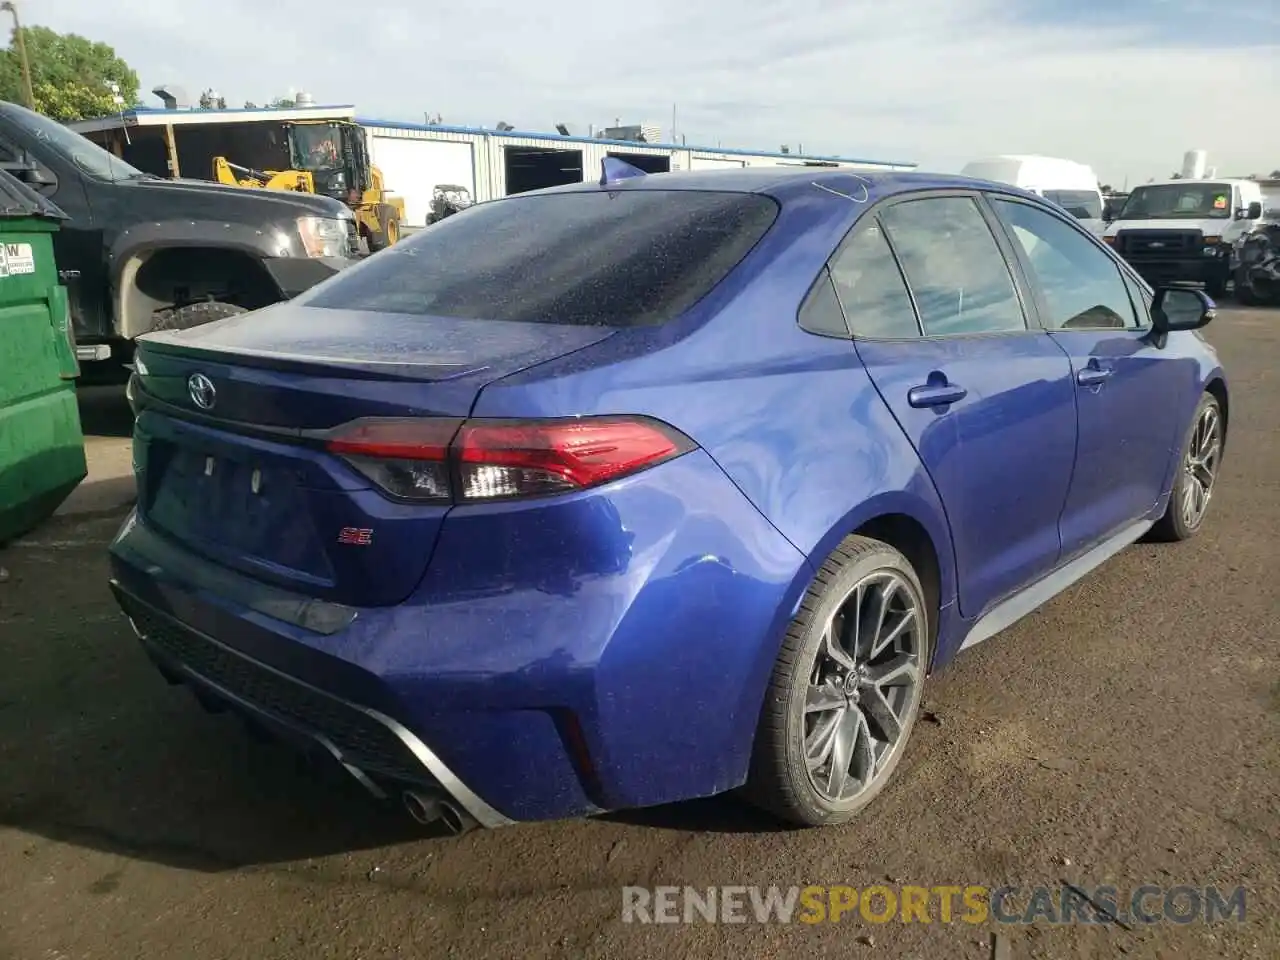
x: 97, y: 751
x: 722, y: 814
x: 104, y: 411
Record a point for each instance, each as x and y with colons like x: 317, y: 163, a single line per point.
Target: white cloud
x: 936, y: 81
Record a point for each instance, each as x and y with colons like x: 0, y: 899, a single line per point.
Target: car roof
x: 785, y: 183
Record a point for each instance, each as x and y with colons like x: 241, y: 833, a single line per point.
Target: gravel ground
x: 1126, y: 734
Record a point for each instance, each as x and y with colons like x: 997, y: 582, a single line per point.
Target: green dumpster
x: 41, y: 443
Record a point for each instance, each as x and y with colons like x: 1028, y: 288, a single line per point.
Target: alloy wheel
x: 1201, y: 465
x: 864, y: 685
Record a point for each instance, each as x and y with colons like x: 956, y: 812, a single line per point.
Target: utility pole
x: 8, y: 6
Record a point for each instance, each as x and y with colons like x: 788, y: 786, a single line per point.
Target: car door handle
x: 1092, y: 375
x: 935, y: 394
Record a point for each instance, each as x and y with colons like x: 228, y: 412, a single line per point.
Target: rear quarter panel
x: 791, y: 417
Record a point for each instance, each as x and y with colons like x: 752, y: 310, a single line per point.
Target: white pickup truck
x: 1185, y: 230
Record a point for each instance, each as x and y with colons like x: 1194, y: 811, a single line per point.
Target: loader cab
x: 336, y: 156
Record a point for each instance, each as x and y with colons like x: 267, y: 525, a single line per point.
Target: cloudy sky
x: 1126, y: 85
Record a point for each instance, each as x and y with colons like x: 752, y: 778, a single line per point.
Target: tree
x: 281, y: 103
x: 70, y: 75
x: 211, y: 101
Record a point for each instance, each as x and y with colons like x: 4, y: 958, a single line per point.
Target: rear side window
x: 871, y: 290
x: 625, y: 259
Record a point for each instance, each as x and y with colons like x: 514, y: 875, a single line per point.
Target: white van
x: 1185, y: 230
x: 1071, y: 185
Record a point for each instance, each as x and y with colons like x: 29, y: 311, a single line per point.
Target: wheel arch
x: 158, y: 276
x: 1217, y: 386
x: 150, y: 265
x: 914, y: 527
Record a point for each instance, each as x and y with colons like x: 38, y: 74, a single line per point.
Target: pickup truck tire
x: 194, y: 314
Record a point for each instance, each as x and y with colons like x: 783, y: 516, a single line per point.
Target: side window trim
x: 1141, y: 314
x: 1034, y: 308
x: 1030, y: 317
x: 902, y: 275
x: 871, y: 221
x: 1137, y: 287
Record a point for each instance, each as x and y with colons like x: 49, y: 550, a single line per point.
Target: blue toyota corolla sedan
x: 656, y: 487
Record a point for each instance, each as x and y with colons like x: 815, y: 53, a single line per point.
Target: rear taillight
x: 444, y: 460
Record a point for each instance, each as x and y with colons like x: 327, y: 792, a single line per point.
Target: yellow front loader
x: 329, y: 157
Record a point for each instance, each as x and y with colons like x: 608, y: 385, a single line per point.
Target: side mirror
x: 1253, y: 211
x: 1181, y: 308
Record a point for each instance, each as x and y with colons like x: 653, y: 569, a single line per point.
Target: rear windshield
x: 624, y: 259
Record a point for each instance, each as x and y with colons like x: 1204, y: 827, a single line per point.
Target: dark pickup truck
x: 141, y: 253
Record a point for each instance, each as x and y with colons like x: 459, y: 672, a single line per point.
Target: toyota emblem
x: 202, y: 391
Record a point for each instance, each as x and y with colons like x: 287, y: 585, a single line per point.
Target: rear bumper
x: 623, y: 669
x: 373, y: 747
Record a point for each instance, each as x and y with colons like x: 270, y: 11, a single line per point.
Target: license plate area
x: 243, y: 509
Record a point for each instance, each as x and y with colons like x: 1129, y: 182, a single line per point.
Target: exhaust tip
x: 455, y: 819
x: 425, y: 809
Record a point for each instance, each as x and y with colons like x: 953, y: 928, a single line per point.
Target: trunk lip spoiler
x: 434, y: 371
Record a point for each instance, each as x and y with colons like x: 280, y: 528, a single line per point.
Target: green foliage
x: 281, y: 102
x: 70, y: 75
x: 211, y: 101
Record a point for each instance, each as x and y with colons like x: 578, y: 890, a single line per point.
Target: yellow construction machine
x: 329, y: 157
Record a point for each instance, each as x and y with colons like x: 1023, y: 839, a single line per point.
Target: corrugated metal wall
x: 490, y: 166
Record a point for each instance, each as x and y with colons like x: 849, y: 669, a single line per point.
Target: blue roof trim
x: 162, y: 111
x: 480, y: 131
x: 733, y: 151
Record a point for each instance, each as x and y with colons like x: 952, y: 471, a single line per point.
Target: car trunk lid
x: 226, y: 448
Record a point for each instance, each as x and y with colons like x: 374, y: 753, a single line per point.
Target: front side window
x: 870, y: 287
x: 596, y: 258
x: 1190, y: 200
x: 1082, y: 286
x: 956, y: 271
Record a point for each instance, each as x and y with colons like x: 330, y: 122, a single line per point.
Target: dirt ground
x: 1127, y: 734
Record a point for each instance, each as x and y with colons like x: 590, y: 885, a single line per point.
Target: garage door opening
x: 534, y: 168
x: 645, y: 161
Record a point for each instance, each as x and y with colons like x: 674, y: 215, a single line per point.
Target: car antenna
x: 613, y: 170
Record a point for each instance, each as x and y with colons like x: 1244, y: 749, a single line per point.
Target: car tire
x: 194, y: 314
x: 802, y: 719
x: 1199, y: 462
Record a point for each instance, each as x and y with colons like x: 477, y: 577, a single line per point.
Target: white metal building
x: 416, y: 158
